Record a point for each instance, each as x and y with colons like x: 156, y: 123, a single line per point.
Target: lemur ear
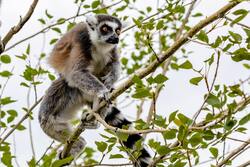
x: 91, y: 21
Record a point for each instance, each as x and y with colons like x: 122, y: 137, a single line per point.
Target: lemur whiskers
x: 88, y: 65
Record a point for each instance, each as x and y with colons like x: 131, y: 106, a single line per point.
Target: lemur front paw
x: 108, y: 81
x: 89, y: 121
x: 105, y: 95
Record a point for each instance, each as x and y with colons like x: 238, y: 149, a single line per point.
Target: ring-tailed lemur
x: 86, y: 59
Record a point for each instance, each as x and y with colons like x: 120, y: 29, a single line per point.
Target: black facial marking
x: 105, y: 29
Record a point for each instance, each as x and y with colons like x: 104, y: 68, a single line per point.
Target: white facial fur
x: 95, y: 35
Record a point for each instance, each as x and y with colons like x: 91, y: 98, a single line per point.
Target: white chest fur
x: 100, y: 58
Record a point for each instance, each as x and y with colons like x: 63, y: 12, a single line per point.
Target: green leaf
x: 52, y: 41
x: 160, y: 79
x: 197, y: 15
x: 28, y: 49
x: 241, y: 54
x: 217, y: 42
x: 203, y: 36
x: 61, y: 162
x: 213, y: 100
x: 160, y: 121
x: 32, y: 162
x: 95, y: 4
x: 196, y: 139
x: 195, y: 80
x: 47, y: 14
x: 210, y: 60
x: 137, y: 22
x: 70, y: 26
x: 20, y: 127
x: 245, y: 119
x: 122, y: 136
x: 6, y: 159
x: 101, y: 146
x: 12, y: 113
x: 247, y: 66
x: 137, y: 80
x: 61, y: 20
x: 186, y: 65
x: 5, y: 74
x: 51, y: 77
x: 10, y: 119
x: 160, y: 25
x: 241, y: 13
x: 172, y: 116
x: 6, y: 100
x: 141, y: 93
x: 113, y: 156
x: 5, y: 59
x: 163, y: 150
x: 170, y: 134
x: 56, y: 29
x: 214, y: 151
x: 185, y: 120
x: 42, y: 21
x: 124, y: 61
x: 247, y: 31
x: 237, y: 37
x: 230, y: 124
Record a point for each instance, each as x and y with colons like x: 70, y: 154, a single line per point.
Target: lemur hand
x: 104, y: 95
x: 108, y: 81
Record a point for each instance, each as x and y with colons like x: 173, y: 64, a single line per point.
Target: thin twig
x: 14, y: 150
x: 50, y: 146
x: 245, y: 164
x: 243, y: 141
x: 21, y: 121
x: 55, y: 24
x: 166, y: 65
x: 19, y: 26
x: 233, y: 153
x: 240, y: 24
x: 209, y: 91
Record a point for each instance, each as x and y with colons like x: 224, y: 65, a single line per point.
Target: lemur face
x: 104, y: 29
x: 109, y: 32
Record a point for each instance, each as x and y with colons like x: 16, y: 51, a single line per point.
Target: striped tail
x: 116, y: 119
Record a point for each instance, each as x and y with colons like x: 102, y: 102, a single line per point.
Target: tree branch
x: 233, y: 153
x: 54, y: 24
x: 245, y: 164
x: 19, y: 26
x: 21, y: 121
x: 152, y: 67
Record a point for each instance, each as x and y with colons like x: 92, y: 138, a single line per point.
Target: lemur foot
x: 89, y: 121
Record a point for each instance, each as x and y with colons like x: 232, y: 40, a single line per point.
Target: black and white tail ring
x: 116, y: 119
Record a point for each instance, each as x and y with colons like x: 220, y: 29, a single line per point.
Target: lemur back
x: 88, y: 64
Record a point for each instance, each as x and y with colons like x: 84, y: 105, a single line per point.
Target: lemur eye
x: 118, y: 31
x: 105, y: 29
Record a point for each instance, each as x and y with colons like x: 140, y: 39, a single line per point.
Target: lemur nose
x: 113, y: 39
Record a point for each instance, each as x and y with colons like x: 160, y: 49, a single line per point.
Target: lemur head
x: 104, y: 29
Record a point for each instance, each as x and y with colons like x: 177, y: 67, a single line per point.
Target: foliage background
x: 177, y: 94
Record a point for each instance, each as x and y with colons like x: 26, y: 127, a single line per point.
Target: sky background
x: 178, y: 94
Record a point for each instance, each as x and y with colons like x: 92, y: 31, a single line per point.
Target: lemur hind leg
x: 58, y: 108
x: 61, y: 131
